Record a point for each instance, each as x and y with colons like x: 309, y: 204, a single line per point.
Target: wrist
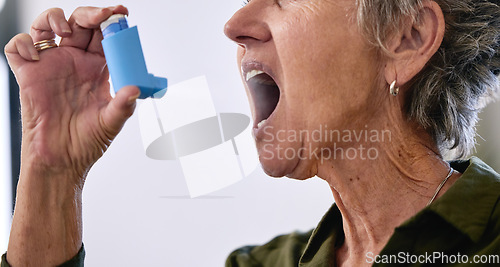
x: 48, y: 188
x: 47, y: 222
x: 49, y: 167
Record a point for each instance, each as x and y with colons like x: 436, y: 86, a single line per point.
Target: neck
x: 375, y: 195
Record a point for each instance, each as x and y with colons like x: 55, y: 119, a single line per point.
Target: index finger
x: 85, y: 21
x: 92, y: 17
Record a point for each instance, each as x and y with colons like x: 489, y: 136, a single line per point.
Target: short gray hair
x: 460, y: 79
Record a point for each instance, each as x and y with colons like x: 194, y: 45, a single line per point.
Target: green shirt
x: 464, y: 222
x: 458, y: 229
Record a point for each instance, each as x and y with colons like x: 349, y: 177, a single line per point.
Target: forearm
x: 69, y: 120
x: 47, y: 223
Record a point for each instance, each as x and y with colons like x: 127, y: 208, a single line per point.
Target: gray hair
x: 460, y: 79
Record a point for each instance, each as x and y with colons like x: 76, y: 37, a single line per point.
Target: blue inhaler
x: 125, y: 59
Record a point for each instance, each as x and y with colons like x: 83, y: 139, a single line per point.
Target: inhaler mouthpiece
x: 125, y: 59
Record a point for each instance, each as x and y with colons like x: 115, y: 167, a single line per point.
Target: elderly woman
x: 368, y: 95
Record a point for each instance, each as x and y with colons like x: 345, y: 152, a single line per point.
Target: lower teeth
x: 261, y: 123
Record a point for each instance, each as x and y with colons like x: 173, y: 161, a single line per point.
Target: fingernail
x: 66, y: 29
x: 107, y: 8
x: 35, y: 57
x: 113, y: 8
x: 133, y: 98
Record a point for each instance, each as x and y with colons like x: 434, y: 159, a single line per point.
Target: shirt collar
x: 467, y: 205
x: 318, y: 251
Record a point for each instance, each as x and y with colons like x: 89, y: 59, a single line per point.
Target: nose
x: 248, y: 25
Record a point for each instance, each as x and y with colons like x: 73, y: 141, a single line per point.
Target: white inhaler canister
x: 125, y: 59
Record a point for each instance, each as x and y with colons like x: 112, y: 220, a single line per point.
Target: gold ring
x: 45, y: 44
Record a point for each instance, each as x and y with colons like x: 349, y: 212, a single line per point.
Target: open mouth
x: 265, y: 94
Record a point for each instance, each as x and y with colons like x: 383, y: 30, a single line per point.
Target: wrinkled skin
x: 67, y: 114
x: 69, y: 119
x: 315, y: 53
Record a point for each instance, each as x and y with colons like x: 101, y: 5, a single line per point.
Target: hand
x: 69, y: 120
x: 68, y: 115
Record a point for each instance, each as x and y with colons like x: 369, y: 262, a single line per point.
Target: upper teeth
x: 252, y: 74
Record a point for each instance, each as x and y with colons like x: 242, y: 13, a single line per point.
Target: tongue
x: 264, y: 79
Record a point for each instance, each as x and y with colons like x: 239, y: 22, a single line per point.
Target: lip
x: 259, y: 132
x: 251, y: 65
x: 247, y: 66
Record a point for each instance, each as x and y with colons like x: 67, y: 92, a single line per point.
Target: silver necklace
x: 441, y: 186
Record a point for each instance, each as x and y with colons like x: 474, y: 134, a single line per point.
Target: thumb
x: 119, y: 109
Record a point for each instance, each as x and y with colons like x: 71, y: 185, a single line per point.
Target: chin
x: 280, y: 166
x: 274, y: 165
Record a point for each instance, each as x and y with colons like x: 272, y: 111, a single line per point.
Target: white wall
x: 488, y: 142
x: 133, y: 214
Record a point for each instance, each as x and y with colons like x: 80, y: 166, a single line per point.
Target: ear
x: 412, y: 47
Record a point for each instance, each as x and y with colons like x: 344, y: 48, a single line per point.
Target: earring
x: 393, y: 89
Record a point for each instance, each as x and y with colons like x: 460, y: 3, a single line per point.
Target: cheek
x: 324, y: 58
x: 314, y: 44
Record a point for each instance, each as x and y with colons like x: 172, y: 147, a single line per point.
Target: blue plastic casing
x: 126, y: 64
